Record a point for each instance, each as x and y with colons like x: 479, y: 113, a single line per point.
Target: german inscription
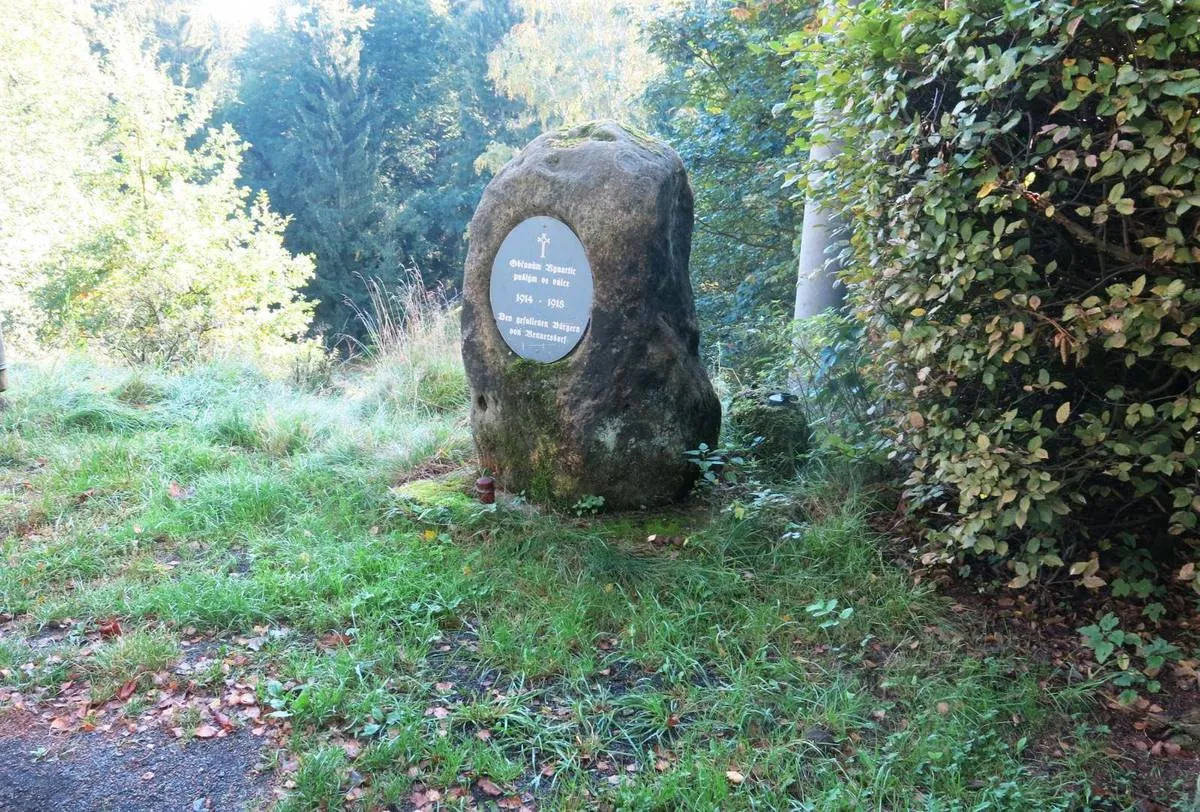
x: 541, y: 289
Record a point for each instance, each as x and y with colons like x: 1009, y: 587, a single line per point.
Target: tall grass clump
x: 413, y: 343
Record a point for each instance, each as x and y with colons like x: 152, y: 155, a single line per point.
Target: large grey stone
x: 615, y: 417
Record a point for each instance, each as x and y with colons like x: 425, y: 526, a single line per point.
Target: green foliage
x: 588, y: 505
x: 715, y: 103
x: 166, y: 259
x: 1021, y: 182
x: 827, y: 612
x: 1137, y: 661
x: 367, y: 120
x: 51, y: 115
x: 718, y: 466
x: 312, y: 113
x: 573, y: 61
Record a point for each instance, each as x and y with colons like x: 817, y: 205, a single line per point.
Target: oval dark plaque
x: 541, y: 289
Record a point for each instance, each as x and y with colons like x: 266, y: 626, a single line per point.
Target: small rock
x: 820, y: 736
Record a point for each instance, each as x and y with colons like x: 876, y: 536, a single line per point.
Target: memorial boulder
x: 580, y: 335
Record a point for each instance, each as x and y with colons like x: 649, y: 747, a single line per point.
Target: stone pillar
x: 580, y: 335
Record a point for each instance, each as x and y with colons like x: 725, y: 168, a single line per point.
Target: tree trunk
x: 815, y: 290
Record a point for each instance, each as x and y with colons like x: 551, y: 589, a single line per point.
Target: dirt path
x: 44, y: 772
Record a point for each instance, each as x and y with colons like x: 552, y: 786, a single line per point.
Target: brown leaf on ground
x: 734, y: 776
x: 221, y: 719
x: 488, y: 787
x: 206, y: 732
x: 109, y: 627
x: 334, y: 640
x: 178, y: 492
x: 127, y: 690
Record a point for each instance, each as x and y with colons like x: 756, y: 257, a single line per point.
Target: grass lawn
x: 211, y: 551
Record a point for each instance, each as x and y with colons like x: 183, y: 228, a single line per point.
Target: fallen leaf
x: 483, y: 734
x: 488, y: 787
x: 206, y: 732
x: 127, y: 690
x: 734, y: 776
x: 110, y: 627
x: 178, y: 492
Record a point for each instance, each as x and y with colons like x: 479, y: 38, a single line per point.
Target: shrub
x: 168, y: 259
x: 1021, y: 187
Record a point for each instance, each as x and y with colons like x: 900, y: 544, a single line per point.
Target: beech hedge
x: 1019, y: 184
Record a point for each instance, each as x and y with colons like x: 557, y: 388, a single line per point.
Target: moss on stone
x: 779, y: 421
x: 589, y: 131
x: 447, y: 492
x: 450, y: 494
x: 531, y: 441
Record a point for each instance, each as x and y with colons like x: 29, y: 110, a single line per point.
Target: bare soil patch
x: 41, y: 771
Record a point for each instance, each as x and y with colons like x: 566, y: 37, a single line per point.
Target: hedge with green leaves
x: 1020, y: 182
